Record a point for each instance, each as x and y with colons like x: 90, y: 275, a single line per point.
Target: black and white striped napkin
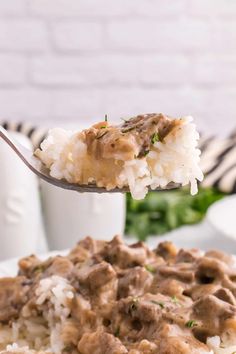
x: 35, y: 134
x: 218, y: 162
x: 218, y: 158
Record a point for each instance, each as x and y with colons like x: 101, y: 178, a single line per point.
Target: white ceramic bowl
x: 21, y: 230
x: 222, y: 216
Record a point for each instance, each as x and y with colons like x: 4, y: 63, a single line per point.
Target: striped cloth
x: 218, y: 162
x: 218, y: 159
x: 35, y: 134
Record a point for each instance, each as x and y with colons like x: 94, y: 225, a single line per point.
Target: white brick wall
x: 77, y: 36
x: 76, y: 60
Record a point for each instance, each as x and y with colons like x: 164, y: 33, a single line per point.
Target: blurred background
x: 69, y: 62
x: 76, y: 60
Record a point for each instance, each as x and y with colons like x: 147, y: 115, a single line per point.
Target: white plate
x: 202, y: 236
x: 222, y: 216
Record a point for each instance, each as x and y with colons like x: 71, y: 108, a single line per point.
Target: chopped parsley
x: 155, y: 138
x: 39, y: 268
x: 150, y: 268
x: 117, y: 332
x: 103, y: 127
x: 191, y: 324
x: 146, y: 152
x: 160, y: 303
x: 174, y: 299
x: 68, y: 348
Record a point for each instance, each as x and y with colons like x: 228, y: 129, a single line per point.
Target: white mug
x: 20, y: 212
x: 70, y: 216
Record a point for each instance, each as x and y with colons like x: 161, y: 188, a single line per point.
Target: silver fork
x: 35, y: 165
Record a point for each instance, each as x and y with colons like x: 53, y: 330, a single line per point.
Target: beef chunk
x: 134, y: 282
x: 85, y: 249
x: 94, y: 276
x: 27, y: 264
x: 179, y: 271
x: 117, y: 253
x: 32, y: 267
x: 13, y: 295
x: 211, y: 313
x: 188, y: 256
x: 181, y: 344
x: 174, y: 341
x: 222, y: 256
x: 210, y: 270
x: 101, y: 343
x: 61, y: 266
x: 210, y: 306
x: 166, y: 250
x: 146, y: 310
x: 225, y: 295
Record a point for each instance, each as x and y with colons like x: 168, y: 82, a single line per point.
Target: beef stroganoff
x: 150, y: 150
x: 110, y: 298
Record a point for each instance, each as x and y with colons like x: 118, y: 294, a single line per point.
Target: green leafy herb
x: 191, y: 324
x: 68, y: 348
x: 162, y: 212
x: 146, y: 152
x: 150, y: 268
x: 155, y: 138
x: 106, y: 118
x: 39, y: 268
x: 160, y: 303
x: 103, y: 127
x: 117, y: 332
x: 174, y: 299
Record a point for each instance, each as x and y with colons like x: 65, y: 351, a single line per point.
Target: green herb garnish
x: 103, y: 127
x: 174, y: 299
x: 146, y: 152
x: 162, y: 212
x: 39, y: 268
x: 150, y: 268
x: 67, y: 348
x: 117, y: 332
x: 160, y: 303
x: 191, y: 324
x: 155, y: 138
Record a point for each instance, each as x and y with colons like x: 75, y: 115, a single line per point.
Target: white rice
x: 176, y: 159
x: 219, y: 347
x: 42, y: 333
